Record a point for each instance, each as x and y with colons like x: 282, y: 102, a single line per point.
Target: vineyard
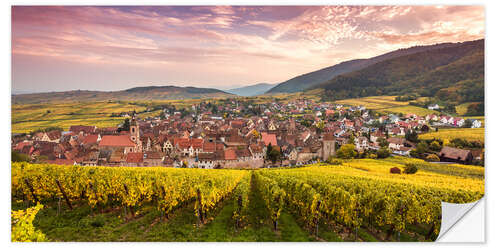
x: 356, y: 200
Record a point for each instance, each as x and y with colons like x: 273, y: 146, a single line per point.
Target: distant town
x: 243, y: 134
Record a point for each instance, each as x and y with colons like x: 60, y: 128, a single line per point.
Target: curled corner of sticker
x: 451, y: 213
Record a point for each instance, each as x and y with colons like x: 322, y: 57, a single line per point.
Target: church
x: 127, y: 143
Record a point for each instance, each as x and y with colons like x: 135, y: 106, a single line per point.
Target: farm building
x: 455, y: 155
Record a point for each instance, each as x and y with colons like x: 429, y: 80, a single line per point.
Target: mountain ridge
x: 167, y: 92
x: 252, y: 90
x: 314, y: 78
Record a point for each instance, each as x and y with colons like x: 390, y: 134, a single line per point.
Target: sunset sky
x: 114, y: 48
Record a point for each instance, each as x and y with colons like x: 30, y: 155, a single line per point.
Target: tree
x: 432, y: 157
x: 467, y: 123
x: 18, y: 157
x: 382, y: 142
x: 435, y: 146
x: 347, y: 151
x: 125, y: 126
x: 410, y: 168
x: 412, y: 136
x: 383, y: 152
x: 268, y: 151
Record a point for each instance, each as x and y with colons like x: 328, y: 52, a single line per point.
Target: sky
x: 59, y: 48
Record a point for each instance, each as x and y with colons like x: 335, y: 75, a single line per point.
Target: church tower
x: 135, y: 135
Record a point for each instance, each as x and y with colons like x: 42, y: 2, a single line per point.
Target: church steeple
x: 134, y: 130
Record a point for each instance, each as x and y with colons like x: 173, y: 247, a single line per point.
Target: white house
x: 433, y: 107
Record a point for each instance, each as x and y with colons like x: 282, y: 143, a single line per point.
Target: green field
x: 470, y: 134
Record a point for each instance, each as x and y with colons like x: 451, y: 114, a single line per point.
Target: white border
x: 492, y: 83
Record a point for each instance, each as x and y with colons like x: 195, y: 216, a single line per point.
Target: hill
x: 138, y: 93
x: 252, y: 90
x: 453, y: 73
x: 312, y: 79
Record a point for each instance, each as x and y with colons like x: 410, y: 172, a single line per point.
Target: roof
x: 54, y: 134
x: 269, y: 138
x: 396, y: 140
x: 134, y: 157
x: 116, y: 141
x: 454, y: 153
x: 90, y: 139
x: 230, y: 154
x: 85, y: 129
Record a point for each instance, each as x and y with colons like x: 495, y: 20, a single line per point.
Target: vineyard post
x: 164, y: 210
x: 31, y: 189
x: 59, y: 206
x: 130, y: 207
x: 240, y: 205
x: 95, y: 193
x: 64, y: 195
x: 200, y: 214
x: 317, y: 217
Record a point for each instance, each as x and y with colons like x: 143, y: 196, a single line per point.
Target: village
x: 238, y: 134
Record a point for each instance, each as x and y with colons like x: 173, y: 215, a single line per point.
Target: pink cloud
x: 277, y: 42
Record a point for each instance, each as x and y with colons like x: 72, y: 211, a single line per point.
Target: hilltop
x: 252, y: 90
x: 313, y: 79
x: 137, y: 93
x: 452, y: 73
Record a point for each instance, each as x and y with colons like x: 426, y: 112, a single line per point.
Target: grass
x: 470, y: 134
x: 409, y: 109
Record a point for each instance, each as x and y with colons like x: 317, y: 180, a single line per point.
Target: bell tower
x: 135, y: 135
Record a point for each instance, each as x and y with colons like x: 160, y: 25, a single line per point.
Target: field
x: 30, y: 117
x: 387, y: 104
x: 319, y: 202
x: 470, y: 134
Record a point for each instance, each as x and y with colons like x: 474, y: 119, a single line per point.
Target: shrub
x: 383, y: 152
x: 432, y: 157
x: 410, y: 168
x: 347, y: 151
x: 332, y: 161
x: 395, y: 170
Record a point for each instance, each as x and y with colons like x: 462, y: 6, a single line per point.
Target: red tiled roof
x: 269, y: 138
x: 89, y: 139
x: 230, y: 154
x: 85, y: 129
x: 134, y: 157
x: 116, y: 141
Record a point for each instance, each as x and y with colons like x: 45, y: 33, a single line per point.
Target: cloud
x: 279, y: 42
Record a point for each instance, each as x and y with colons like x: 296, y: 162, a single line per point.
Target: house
x: 206, y: 160
x: 404, y: 151
x: 51, y: 136
x: 395, y: 143
x: 269, y: 139
x: 450, y: 154
x: 118, y: 142
x: 134, y: 160
x: 361, y: 143
x: 152, y: 159
x: 476, y: 124
x: 433, y: 107
x: 82, y: 129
